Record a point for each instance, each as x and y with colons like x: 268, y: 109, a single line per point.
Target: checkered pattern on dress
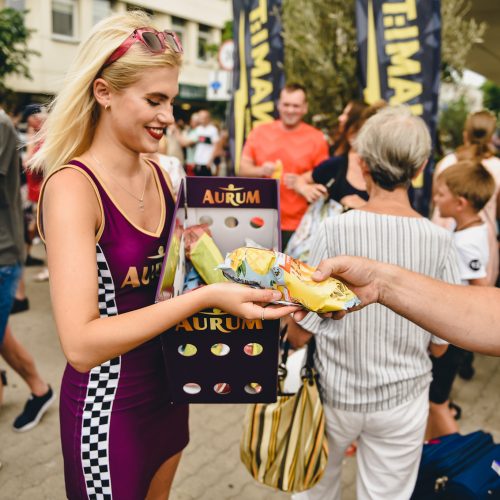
x: 101, y: 390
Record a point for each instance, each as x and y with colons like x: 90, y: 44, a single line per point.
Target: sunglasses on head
x: 155, y: 41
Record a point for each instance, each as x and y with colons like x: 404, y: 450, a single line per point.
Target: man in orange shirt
x: 288, y: 144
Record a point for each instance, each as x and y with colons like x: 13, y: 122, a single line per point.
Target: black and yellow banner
x: 399, y: 43
x: 258, y: 74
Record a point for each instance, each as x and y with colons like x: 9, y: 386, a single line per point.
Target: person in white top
x: 478, y: 133
x: 461, y: 192
x: 207, y: 138
x: 374, y: 369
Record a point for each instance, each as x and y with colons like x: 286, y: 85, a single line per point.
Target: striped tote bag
x: 284, y: 443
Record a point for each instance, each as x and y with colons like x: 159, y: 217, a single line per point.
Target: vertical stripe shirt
x: 374, y: 359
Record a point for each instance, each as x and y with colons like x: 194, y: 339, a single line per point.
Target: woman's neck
x: 382, y: 201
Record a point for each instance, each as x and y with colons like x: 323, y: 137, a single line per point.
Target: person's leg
x: 21, y: 361
x: 389, y: 451
x: 342, y: 428
x: 441, y: 421
x: 159, y: 489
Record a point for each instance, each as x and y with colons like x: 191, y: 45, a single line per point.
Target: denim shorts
x: 9, y: 277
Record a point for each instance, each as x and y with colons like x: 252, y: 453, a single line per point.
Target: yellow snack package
x: 203, y: 253
x: 270, y: 269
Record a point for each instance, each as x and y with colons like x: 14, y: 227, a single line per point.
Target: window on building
x: 16, y: 4
x: 204, y: 39
x: 131, y: 6
x: 179, y: 26
x: 100, y: 10
x: 64, y: 18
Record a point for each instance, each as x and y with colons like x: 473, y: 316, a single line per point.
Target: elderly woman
x: 374, y: 366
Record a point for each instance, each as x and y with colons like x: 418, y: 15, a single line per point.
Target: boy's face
x: 445, y: 200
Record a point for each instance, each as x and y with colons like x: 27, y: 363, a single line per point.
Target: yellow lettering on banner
x: 263, y: 112
x: 404, y: 90
x: 401, y: 33
x: 260, y: 65
x: 417, y: 109
x: 259, y: 37
x: 259, y: 13
x: 408, y: 7
x: 401, y: 62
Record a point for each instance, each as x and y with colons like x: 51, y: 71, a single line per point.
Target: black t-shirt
x: 332, y: 174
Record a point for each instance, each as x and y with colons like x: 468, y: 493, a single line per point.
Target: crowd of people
x: 386, y: 372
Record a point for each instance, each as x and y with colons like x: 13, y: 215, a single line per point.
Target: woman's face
x: 141, y: 112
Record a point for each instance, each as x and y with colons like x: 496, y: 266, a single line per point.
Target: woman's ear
x: 102, y: 92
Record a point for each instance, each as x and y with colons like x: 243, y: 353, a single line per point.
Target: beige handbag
x: 284, y: 444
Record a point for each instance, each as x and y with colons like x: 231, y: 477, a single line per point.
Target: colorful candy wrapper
x: 270, y: 269
x: 203, y: 253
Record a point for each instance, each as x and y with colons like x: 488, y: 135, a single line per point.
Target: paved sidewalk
x: 210, y: 468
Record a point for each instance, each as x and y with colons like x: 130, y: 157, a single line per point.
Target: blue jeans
x: 9, y: 277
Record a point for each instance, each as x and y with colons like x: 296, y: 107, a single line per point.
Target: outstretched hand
x: 249, y: 303
x: 358, y: 273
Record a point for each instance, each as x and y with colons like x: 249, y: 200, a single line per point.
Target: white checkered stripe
x: 107, y: 303
x: 101, y: 390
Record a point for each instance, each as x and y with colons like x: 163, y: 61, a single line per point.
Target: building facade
x: 60, y: 25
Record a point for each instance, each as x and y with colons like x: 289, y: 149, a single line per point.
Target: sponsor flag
x: 399, y: 47
x: 258, y: 74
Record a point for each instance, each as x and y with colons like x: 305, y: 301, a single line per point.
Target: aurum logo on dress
x: 142, y: 275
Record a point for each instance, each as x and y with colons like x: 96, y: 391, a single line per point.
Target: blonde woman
x: 105, y: 213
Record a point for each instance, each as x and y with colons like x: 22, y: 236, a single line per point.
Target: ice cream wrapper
x: 270, y: 269
x: 203, y: 253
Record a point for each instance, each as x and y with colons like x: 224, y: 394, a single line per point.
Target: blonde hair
x: 74, y: 113
x: 469, y: 180
x: 479, y: 129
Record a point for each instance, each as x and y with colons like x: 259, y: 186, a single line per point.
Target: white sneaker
x: 42, y: 275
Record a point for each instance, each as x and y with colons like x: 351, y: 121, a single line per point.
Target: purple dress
x: 117, y: 425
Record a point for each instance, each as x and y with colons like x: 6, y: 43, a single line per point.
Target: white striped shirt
x: 374, y: 359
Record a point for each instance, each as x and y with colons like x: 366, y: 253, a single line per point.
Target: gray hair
x: 394, y: 144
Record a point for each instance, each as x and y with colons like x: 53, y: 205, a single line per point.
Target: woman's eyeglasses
x: 155, y: 41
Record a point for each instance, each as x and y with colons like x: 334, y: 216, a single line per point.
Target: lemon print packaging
x: 270, y: 269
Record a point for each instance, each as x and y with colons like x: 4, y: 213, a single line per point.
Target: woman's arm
x: 71, y: 216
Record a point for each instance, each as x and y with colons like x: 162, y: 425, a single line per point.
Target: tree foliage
x: 451, y: 124
x: 14, y: 51
x: 320, y: 53
x: 491, y: 97
x: 459, y: 33
x: 320, y: 48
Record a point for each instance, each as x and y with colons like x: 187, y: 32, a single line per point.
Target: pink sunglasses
x: 155, y: 41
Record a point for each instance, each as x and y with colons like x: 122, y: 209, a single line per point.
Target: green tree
x: 320, y: 53
x: 491, y: 97
x: 320, y: 48
x: 451, y: 124
x: 14, y: 51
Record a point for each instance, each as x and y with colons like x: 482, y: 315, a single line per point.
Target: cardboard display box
x: 214, y: 357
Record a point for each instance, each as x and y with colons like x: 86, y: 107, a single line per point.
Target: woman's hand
x: 246, y: 302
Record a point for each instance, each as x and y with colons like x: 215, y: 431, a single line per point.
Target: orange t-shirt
x: 299, y: 150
